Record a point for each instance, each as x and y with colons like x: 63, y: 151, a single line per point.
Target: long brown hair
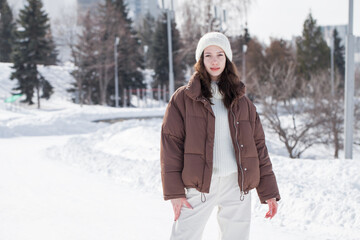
x: 229, y: 81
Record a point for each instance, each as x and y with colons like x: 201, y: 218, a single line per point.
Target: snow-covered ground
x: 63, y: 176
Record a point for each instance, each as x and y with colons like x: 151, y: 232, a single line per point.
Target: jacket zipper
x: 202, y: 184
x: 241, y: 169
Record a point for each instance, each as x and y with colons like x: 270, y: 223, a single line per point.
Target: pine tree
x: 313, y: 54
x: 94, y: 54
x: 161, y: 57
x: 339, y: 52
x: 31, y: 48
x: 85, y: 58
x: 112, y: 21
x: 52, y: 53
x: 7, y: 27
x: 146, y: 34
x: 129, y: 53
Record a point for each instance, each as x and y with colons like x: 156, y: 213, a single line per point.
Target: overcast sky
x: 266, y: 18
x: 285, y: 18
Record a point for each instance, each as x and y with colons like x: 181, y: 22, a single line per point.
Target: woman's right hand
x: 177, y: 204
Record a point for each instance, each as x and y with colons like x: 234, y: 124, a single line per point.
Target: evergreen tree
x: 7, y: 27
x: 161, y: 57
x: 339, y: 52
x: 130, y: 52
x: 52, y: 53
x: 146, y: 34
x: 313, y: 54
x: 94, y: 54
x: 31, y: 48
x: 85, y: 58
x: 130, y: 57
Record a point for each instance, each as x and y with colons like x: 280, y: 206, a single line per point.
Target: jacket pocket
x: 251, y: 172
x: 193, y: 170
x: 247, y: 141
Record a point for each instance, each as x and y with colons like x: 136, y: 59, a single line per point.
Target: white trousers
x: 233, y: 215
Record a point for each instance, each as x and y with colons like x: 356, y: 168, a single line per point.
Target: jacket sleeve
x: 267, y: 187
x: 172, y: 151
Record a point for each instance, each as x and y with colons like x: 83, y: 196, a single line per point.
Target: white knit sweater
x: 224, y: 160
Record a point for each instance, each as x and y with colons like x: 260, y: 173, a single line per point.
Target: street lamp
x: 116, y: 43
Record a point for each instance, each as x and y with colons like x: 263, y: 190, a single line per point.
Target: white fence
x: 146, y: 97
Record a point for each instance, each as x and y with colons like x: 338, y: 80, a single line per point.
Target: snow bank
x: 320, y: 196
x: 126, y: 151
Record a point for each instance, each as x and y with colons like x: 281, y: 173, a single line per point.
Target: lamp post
x: 349, y: 86
x: 116, y: 43
x: 331, y: 44
x: 171, y: 71
x: 244, y: 48
x: 169, y: 16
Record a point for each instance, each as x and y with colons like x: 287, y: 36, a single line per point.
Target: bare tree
x: 290, y: 118
x: 66, y: 29
x: 85, y: 58
x: 107, y: 19
x: 191, y: 31
x: 357, y: 106
x: 329, y: 108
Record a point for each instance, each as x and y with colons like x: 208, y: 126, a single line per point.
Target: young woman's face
x: 214, y: 61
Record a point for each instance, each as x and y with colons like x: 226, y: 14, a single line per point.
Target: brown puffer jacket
x: 187, y: 141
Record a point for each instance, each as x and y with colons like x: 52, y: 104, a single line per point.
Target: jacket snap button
x: 237, y: 122
x: 245, y: 169
x: 241, y: 145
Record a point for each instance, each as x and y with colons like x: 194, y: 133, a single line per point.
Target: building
x: 137, y: 8
x: 342, y: 31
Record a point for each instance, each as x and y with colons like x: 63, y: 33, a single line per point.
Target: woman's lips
x: 214, y: 69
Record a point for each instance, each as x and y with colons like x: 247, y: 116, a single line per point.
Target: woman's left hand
x: 272, y: 208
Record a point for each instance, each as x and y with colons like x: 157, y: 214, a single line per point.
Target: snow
x: 65, y: 176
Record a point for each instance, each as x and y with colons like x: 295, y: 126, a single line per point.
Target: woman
x: 213, y: 148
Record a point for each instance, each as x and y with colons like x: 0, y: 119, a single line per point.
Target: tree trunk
x: 101, y: 86
x: 38, y: 95
x: 79, y: 84
x: 336, y: 138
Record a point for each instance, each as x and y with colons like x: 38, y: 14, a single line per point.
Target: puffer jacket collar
x: 194, y: 89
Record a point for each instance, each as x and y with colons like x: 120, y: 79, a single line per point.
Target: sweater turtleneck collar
x: 215, y: 90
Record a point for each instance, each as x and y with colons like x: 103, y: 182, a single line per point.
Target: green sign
x: 13, y: 98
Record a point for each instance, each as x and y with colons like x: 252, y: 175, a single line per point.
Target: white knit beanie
x: 213, y: 38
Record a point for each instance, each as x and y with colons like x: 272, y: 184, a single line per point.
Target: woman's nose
x: 214, y: 61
